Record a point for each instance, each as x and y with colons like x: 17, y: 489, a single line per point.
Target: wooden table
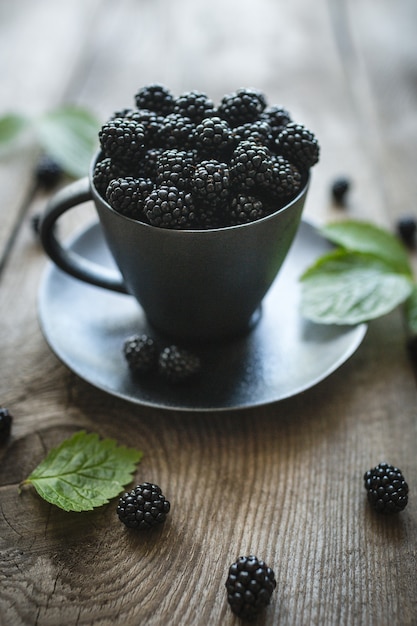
x: 282, y: 481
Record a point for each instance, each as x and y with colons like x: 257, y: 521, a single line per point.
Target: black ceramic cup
x: 198, y: 285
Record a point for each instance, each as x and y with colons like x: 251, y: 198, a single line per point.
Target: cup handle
x: 67, y: 260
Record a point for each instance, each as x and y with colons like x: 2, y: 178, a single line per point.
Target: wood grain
x: 282, y: 481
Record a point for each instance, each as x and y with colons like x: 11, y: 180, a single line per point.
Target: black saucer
x: 282, y: 356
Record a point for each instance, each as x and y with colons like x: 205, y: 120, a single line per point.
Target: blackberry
x: 143, y: 507
x: 104, y: 172
x: 244, y: 209
x: 339, y: 189
x: 411, y: 347
x: 209, y: 216
x: 169, y: 207
x: 242, y: 106
x: 251, y: 165
x: 407, y: 228
x: 156, y: 98
x: 210, y: 182
x: 174, y: 167
x: 47, y: 172
x: 277, y: 118
x: 257, y: 132
x: 386, y: 488
x: 213, y: 137
x: 298, y: 145
x: 36, y: 222
x: 126, y: 112
x: 177, y: 364
x: 286, y: 180
x: 141, y: 353
x: 250, y: 584
x: 127, y: 195
x: 176, y: 131
x: 137, y: 115
x: 194, y: 105
x: 6, y: 420
x: 122, y: 139
x: 149, y: 162
x: 151, y: 121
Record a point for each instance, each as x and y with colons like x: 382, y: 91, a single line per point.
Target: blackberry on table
x: 250, y: 165
x: 211, y: 182
x: 177, y: 364
x: 339, y: 189
x: 386, y: 488
x: 245, y: 209
x: 122, y: 139
x: 242, y: 106
x: 298, y: 145
x: 156, y: 98
x: 249, y: 584
x: 141, y: 353
x: 48, y: 171
x: 6, y: 419
x: 174, y: 167
x: 169, y: 207
x: 411, y: 346
x: 143, y: 507
x: 194, y: 105
x: 213, y: 137
x: 407, y: 229
x: 127, y: 195
x: 176, y: 131
x: 35, y: 222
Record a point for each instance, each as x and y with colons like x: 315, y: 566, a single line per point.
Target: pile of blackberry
x: 184, y: 163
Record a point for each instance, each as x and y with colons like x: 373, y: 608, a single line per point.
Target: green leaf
x: 345, y: 287
x: 370, y: 239
x: 11, y: 125
x: 411, y: 311
x: 70, y: 135
x: 84, y: 472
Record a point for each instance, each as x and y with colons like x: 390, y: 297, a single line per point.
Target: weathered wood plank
x: 285, y: 483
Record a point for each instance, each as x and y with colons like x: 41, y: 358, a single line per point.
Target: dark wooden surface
x: 282, y: 481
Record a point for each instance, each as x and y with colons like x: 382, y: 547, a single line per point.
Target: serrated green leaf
x: 411, y: 311
x: 11, y: 125
x: 70, y: 135
x: 84, y: 472
x: 367, y: 238
x: 345, y: 287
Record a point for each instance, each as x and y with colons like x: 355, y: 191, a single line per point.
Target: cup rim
x: 261, y: 220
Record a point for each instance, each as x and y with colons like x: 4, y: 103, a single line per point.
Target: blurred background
x: 346, y: 70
